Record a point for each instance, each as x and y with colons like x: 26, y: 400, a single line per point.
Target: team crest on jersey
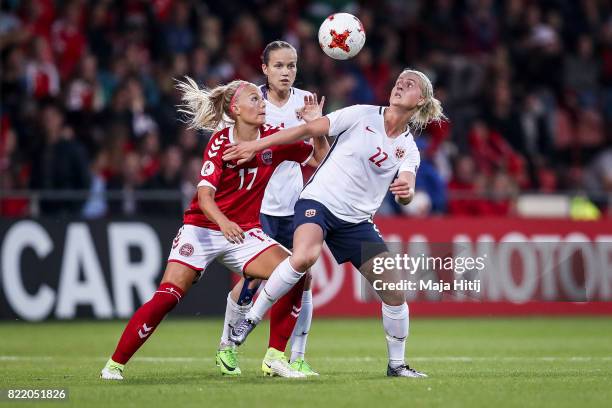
x: 266, y: 157
x: 208, y: 168
x: 400, y: 153
x: 186, y: 250
x: 310, y: 213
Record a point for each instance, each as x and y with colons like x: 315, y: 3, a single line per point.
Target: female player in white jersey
x: 222, y: 221
x: 293, y: 312
x: 373, y: 151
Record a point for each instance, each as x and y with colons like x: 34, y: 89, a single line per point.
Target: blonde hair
x: 207, y: 108
x: 431, y: 110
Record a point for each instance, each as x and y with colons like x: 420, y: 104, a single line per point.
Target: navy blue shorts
x: 278, y: 228
x: 344, y: 239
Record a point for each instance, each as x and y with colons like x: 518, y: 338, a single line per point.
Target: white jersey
x: 286, y: 183
x: 363, y: 161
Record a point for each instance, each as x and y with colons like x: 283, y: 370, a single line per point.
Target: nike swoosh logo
x: 226, y: 366
x: 267, y: 365
x: 369, y: 130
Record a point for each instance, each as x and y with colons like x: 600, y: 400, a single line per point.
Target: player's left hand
x: 312, y: 109
x: 402, y: 190
x: 232, y: 232
x: 242, y: 152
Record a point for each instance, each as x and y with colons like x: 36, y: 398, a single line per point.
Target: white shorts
x: 197, y: 247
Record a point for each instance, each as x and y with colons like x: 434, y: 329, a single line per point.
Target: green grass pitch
x: 471, y: 362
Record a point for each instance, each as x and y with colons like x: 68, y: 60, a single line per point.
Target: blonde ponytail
x: 431, y: 110
x: 206, y: 108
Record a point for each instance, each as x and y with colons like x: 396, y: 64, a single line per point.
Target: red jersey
x: 240, y: 189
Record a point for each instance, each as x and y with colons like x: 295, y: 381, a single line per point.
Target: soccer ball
x: 341, y: 36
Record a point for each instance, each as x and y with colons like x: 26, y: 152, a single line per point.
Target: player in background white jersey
x: 374, y: 150
x: 292, y: 314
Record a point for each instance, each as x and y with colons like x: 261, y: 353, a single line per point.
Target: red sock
x: 283, y: 316
x: 145, y: 320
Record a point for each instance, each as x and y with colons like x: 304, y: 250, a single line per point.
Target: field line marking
x: 467, y: 359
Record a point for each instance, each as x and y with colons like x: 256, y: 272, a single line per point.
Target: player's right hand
x: 242, y: 152
x: 312, y: 109
x: 232, y: 232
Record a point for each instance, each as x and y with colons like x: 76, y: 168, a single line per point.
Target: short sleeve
x: 299, y: 152
x: 342, y: 119
x: 212, y: 165
x: 413, y: 159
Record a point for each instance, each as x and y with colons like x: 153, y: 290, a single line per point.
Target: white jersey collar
x: 264, y: 92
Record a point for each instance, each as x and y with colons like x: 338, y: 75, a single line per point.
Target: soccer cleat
x: 112, y: 371
x: 303, y: 367
x: 275, y: 364
x: 227, y: 360
x: 239, y: 333
x: 404, y: 371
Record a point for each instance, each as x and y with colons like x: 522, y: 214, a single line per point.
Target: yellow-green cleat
x: 303, y: 367
x: 275, y: 364
x: 227, y: 360
x: 112, y: 371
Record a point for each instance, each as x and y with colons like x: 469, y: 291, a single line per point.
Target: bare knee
x: 307, y: 244
x: 392, y: 297
x: 302, y: 259
x: 180, y: 275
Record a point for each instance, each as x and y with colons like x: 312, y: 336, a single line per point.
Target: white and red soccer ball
x: 341, y: 36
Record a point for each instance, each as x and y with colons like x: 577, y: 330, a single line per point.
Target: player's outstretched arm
x: 206, y: 200
x: 403, y: 187
x: 245, y: 151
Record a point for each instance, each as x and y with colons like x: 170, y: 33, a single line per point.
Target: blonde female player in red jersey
x: 291, y: 316
x: 222, y: 221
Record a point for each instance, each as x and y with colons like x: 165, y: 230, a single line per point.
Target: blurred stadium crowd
x: 88, y: 103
